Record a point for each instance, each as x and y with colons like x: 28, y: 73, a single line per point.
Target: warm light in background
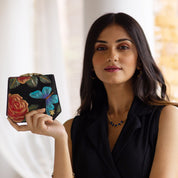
x: 48, y: 36
x: 166, y: 43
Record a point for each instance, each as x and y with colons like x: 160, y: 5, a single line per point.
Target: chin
x: 117, y: 82
x: 113, y: 82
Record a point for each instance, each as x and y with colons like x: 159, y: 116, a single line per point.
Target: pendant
x: 116, y: 125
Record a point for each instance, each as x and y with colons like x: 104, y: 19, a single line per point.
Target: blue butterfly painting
x: 46, y: 94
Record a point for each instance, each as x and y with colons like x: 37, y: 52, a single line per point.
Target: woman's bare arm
x: 43, y: 124
x: 63, y: 154
x: 165, y: 164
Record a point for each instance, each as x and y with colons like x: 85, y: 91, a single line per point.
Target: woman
x: 126, y: 127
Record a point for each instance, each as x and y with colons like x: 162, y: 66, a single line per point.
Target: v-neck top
x: 133, y: 153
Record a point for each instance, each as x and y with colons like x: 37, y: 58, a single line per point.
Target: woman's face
x: 115, y: 56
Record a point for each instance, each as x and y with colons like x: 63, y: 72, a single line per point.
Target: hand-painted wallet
x: 30, y: 92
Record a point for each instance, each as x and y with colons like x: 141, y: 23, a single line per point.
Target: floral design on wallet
x: 27, y: 93
x: 46, y: 94
x: 17, y: 107
x: 31, y: 81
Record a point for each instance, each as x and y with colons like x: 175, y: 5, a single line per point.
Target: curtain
x: 29, y: 42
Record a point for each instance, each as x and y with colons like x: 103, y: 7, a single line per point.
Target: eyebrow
x: 117, y: 41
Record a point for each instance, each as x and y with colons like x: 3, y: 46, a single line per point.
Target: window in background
x: 166, y: 42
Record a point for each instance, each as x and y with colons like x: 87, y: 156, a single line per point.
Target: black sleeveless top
x: 133, y: 153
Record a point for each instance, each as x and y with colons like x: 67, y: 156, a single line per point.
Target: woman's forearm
x: 43, y: 124
x: 62, y: 162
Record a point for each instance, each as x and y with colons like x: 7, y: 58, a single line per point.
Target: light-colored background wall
x: 48, y: 37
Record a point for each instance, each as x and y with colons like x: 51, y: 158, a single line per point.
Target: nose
x: 114, y: 58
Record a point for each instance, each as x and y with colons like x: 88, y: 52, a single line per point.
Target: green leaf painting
x: 33, y: 82
x: 44, y: 79
x: 33, y: 107
x: 58, y: 109
x: 13, y: 83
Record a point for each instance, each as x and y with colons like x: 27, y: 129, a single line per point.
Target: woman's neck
x: 120, y: 98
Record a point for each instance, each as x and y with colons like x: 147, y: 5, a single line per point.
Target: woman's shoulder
x: 165, y: 160
x: 68, y: 124
x: 168, y: 122
x: 170, y: 108
x: 169, y: 114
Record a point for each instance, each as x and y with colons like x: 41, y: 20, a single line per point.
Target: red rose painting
x: 17, y: 107
x: 23, y: 80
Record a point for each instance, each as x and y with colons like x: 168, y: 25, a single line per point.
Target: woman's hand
x: 40, y: 123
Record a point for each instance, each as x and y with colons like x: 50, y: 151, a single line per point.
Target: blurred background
x: 48, y: 36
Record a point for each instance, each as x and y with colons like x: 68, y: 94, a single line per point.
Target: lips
x: 112, y: 68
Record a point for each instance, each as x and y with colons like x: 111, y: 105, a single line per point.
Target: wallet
x: 30, y: 92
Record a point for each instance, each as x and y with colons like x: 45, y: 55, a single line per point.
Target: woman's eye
x: 123, y: 47
x: 100, y: 48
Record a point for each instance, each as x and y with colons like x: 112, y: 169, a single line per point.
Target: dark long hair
x: 146, y: 86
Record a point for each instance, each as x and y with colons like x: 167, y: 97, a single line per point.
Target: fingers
x: 31, y: 122
x: 38, y: 122
x: 18, y: 127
